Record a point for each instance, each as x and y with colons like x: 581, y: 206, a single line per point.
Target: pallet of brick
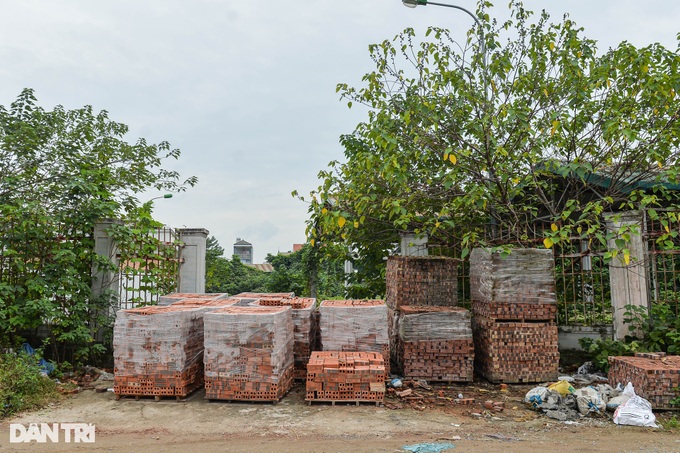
x: 421, y: 280
x: 435, y: 343
x: 515, y: 351
x: 305, y: 329
x: 175, y: 297
x: 248, y: 353
x: 337, y: 376
x: 655, y: 376
x: 355, y: 325
x: 211, y: 304
x: 525, y: 276
x: 248, y: 295
x: 158, y: 351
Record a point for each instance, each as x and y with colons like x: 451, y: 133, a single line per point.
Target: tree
x: 537, y: 128
x: 230, y: 276
x: 60, y: 172
x: 308, y: 272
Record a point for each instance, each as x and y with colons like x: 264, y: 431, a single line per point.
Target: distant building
x: 244, y: 250
x: 297, y: 247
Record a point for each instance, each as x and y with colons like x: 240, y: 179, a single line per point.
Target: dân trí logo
x: 51, y: 432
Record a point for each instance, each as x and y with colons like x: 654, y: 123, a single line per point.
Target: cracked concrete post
x: 192, y: 260
x: 629, y: 284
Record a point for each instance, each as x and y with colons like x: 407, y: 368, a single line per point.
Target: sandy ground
x: 197, y: 425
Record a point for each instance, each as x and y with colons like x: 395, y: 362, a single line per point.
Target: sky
x: 245, y: 89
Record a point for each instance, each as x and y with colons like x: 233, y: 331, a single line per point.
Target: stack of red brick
x: 655, y: 376
x: 158, y: 351
x: 514, y: 308
x: 355, y: 325
x: 435, y: 343
x: 415, y: 280
x: 176, y: 297
x: 304, y: 325
x: 248, y: 353
x: 346, y: 376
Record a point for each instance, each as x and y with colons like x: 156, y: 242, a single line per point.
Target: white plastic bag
x: 637, y: 411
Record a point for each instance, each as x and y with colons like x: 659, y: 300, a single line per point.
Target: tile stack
x: 175, y: 297
x: 346, y: 376
x: 305, y: 328
x: 158, y: 351
x: 248, y: 353
x: 355, y: 325
x: 435, y: 343
x: 655, y: 376
x: 421, y: 280
x: 514, y: 309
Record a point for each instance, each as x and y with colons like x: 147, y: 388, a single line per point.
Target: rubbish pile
x: 561, y: 401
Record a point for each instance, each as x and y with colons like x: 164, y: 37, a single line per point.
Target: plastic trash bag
x: 562, y: 387
x: 536, y: 396
x: 588, y: 400
x: 637, y: 411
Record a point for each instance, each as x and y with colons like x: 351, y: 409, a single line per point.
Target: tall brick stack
x: 514, y: 309
x: 176, y: 297
x: 158, y: 351
x: 435, y: 343
x: 248, y: 353
x: 421, y: 280
x: 355, y: 325
x: 304, y: 325
x: 655, y: 376
x: 346, y: 376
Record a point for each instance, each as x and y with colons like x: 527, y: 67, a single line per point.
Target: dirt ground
x: 196, y: 425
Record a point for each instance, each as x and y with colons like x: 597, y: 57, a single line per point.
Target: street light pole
x: 482, y: 45
x: 485, y: 76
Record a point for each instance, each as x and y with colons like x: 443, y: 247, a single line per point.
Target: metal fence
x: 662, y: 235
x: 581, y: 278
x: 150, y: 269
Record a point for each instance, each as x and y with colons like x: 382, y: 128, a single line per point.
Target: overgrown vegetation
x: 304, y: 273
x: 22, y: 386
x: 469, y: 143
x: 657, y: 330
x: 61, y: 171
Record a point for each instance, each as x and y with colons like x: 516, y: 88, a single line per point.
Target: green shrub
x: 656, y: 331
x: 22, y: 385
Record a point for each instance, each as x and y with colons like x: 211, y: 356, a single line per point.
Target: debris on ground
x: 428, y: 447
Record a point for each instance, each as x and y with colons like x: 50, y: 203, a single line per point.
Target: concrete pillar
x: 106, y: 280
x: 412, y: 245
x: 192, y: 260
x: 628, y: 281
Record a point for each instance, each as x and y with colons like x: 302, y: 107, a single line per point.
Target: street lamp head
x: 414, y: 3
x: 167, y: 195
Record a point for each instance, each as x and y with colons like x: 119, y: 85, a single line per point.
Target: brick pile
x: 514, y: 309
x: 415, y: 280
x: 248, y: 353
x: 305, y: 328
x: 175, y: 297
x: 158, y: 351
x: 346, y: 376
x: 435, y: 343
x: 655, y: 376
x: 261, y: 295
x: 355, y: 325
